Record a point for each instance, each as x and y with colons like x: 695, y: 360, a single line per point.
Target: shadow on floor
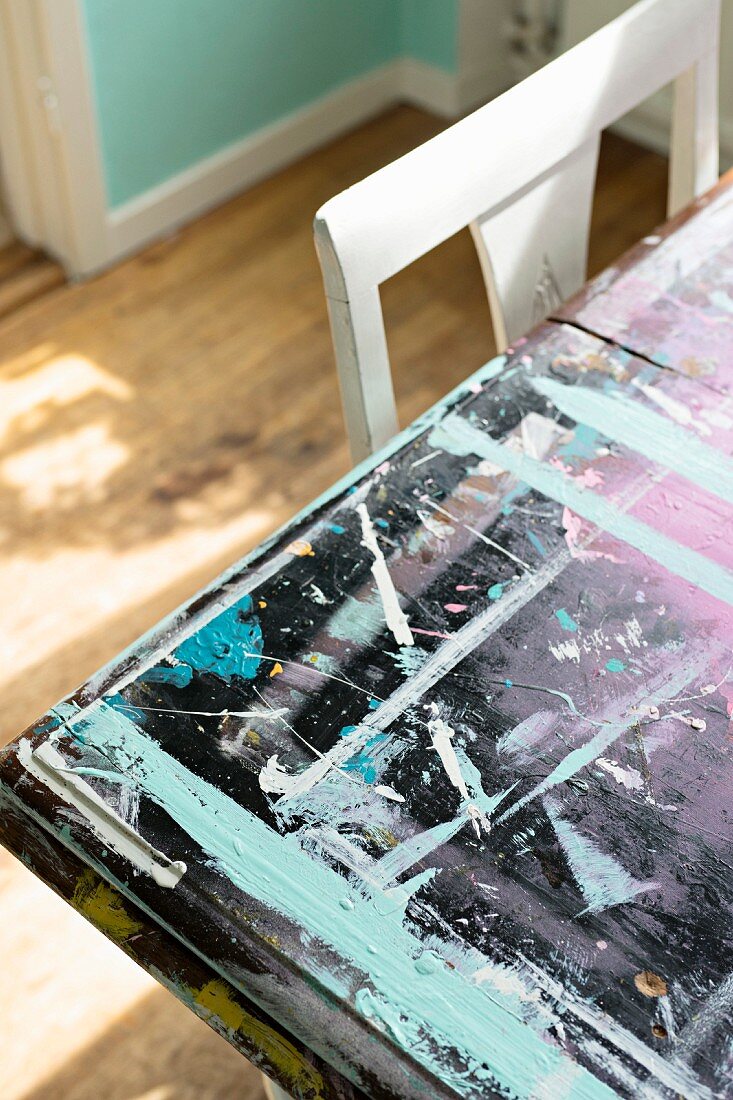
x: 157, y: 1051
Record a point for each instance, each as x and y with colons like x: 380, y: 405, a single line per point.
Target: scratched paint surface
x: 671, y: 298
x: 441, y: 779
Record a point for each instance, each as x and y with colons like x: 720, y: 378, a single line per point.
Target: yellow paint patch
x: 104, y: 907
x: 253, y: 737
x: 215, y: 1000
x: 276, y: 669
x: 262, y: 603
x: 300, y: 548
x: 385, y: 838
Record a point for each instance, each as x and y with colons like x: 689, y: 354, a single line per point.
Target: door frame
x: 53, y: 179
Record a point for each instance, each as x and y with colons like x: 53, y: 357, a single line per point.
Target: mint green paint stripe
x: 458, y: 437
x: 487, y: 373
x: 603, y: 881
x: 626, y: 421
x: 570, y: 765
x: 661, y: 687
x: 443, y: 1005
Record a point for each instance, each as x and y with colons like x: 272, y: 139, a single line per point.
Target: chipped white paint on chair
x: 520, y: 171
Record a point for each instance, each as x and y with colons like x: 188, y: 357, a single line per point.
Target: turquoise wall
x: 176, y: 80
x: 429, y: 31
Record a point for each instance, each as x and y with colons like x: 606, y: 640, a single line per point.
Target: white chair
x: 521, y: 172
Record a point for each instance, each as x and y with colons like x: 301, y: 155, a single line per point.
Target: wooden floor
x: 25, y: 274
x: 156, y: 423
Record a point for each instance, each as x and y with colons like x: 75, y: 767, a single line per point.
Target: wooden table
x: 430, y: 795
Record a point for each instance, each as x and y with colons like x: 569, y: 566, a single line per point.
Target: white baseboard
x: 212, y: 181
x: 448, y: 95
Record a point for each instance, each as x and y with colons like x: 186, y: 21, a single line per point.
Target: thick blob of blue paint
x: 177, y: 675
x: 230, y: 645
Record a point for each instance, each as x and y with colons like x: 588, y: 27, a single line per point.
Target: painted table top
x: 435, y: 785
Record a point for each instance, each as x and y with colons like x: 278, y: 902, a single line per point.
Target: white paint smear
x: 507, y: 980
x: 48, y: 766
x: 539, y: 434
x: 603, y: 881
x: 627, y: 777
x: 442, y: 736
x: 673, y: 408
x: 389, y: 792
x: 275, y: 779
x: 439, y: 530
x: 393, y: 613
x: 567, y: 650
x: 318, y: 596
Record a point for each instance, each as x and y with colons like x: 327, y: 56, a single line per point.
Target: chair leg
x: 273, y: 1091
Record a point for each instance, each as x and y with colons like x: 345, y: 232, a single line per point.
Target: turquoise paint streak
x: 537, y: 544
x: 442, y: 1005
x: 458, y: 437
x: 602, y: 879
x: 626, y: 421
x: 177, y: 675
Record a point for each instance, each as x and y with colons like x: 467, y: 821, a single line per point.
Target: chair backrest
x: 521, y: 172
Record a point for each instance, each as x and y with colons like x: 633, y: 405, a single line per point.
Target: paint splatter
x: 301, y: 548
x: 650, y: 984
x: 567, y: 622
x: 601, y: 878
x: 394, y: 615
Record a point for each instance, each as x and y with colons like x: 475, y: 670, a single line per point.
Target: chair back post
x: 362, y: 358
x: 694, y: 142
